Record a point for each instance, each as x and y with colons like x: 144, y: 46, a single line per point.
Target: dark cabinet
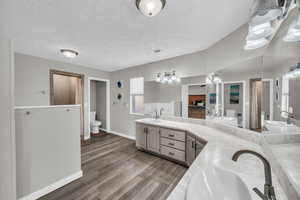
x: 194, y: 146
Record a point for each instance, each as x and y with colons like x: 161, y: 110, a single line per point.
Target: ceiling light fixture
x: 260, y: 31
x: 69, y: 53
x: 293, y: 34
x: 255, y: 44
x: 150, y: 8
x: 213, y: 78
x: 167, y: 77
x: 294, y: 72
x: 266, y: 11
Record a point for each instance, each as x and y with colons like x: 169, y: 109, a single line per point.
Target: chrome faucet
x: 156, y: 116
x: 161, y: 111
x: 269, y: 193
x: 289, y: 118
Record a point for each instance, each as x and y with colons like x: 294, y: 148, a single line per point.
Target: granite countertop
x: 288, y: 156
x: 219, y: 150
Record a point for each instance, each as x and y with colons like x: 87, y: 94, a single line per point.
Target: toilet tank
x: 93, y: 116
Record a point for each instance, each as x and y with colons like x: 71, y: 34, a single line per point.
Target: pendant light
x: 150, y: 8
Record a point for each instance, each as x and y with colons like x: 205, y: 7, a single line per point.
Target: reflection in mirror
x: 280, y: 115
x: 260, y: 91
x: 233, y: 103
x: 191, y: 98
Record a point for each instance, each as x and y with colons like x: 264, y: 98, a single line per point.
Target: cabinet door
x: 199, y: 146
x: 153, y: 139
x: 141, y: 136
x: 190, y: 150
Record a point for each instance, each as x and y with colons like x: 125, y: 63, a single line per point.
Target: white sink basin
x: 215, y: 183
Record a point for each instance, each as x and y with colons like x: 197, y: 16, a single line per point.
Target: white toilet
x: 95, y: 125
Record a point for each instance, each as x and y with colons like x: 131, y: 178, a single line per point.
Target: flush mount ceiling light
x: 167, y: 77
x: 267, y: 10
x: 213, y: 78
x: 294, y: 72
x: 255, y: 44
x: 260, y: 31
x: 293, y: 34
x: 150, y: 8
x: 69, y: 53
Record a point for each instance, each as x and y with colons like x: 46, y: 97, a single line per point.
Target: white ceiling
x: 112, y: 34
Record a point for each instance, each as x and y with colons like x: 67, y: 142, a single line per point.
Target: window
x: 137, y: 96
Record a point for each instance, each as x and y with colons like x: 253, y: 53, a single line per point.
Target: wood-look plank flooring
x: 114, y: 169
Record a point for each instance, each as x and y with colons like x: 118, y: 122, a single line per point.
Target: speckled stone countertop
x: 220, y: 149
x: 288, y: 156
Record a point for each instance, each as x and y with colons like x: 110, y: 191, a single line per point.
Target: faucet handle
x: 260, y: 194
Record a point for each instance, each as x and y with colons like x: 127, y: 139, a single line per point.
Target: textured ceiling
x: 112, y: 34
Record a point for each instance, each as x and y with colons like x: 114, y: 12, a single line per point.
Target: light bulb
x: 150, y: 8
x: 69, y: 53
x: 255, y: 44
x: 260, y: 31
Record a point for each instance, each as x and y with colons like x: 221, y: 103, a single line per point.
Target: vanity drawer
x: 173, y: 153
x: 172, y: 134
x: 173, y: 143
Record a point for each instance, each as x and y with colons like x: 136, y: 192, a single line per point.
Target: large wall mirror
x: 260, y: 93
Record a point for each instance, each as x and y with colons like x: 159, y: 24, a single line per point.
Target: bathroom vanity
x: 174, y: 144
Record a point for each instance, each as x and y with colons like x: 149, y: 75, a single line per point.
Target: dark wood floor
x: 114, y: 169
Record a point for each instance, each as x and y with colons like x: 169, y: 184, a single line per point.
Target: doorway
x: 98, y: 105
x: 67, y: 88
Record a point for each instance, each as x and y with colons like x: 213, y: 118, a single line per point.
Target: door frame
x: 107, y: 81
x: 244, y: 98
x: 71, y: 74
x: 271, y: 81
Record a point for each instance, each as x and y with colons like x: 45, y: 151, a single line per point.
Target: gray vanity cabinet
x: 141, y: 136
x: 194, y: 146
x: 173, y: 144
x: 152, y: 138
x: 190, y: 149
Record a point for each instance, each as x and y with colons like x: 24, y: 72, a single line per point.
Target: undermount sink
x: 215, y: 183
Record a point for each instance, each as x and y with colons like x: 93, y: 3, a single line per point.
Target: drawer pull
x: 172, y: 144
x: 171, y: 135
x: 171, y: 153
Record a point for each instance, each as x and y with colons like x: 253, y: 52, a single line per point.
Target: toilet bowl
x: 95, y: 125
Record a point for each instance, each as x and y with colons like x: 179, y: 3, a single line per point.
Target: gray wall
x: 215, y: 58
x: 161, y: 93
x: 98, y: 101
x: 47, y: 146
x: 93, y: 96
x: 101, y: 102
x: 33, y: 85
x: 197, y: 90
x: 7, y: 134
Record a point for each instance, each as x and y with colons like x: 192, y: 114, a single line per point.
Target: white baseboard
x: 122, y: 135
x: 52, y: 187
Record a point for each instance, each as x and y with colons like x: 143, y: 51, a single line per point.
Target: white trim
x: 107, y: 104
x: 52, y: 187
x: 271, y: 96
x: 12, y: 120
x: 138, y: 114
x: 123, y: 135
x: 244, y: 98
x: 37, y: 107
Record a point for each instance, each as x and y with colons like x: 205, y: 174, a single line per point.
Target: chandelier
x: 167, y: 77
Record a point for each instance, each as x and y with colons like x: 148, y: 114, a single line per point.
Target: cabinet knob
x: 171, y: 153
x: 27, y: 113
x: 171, y: 135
